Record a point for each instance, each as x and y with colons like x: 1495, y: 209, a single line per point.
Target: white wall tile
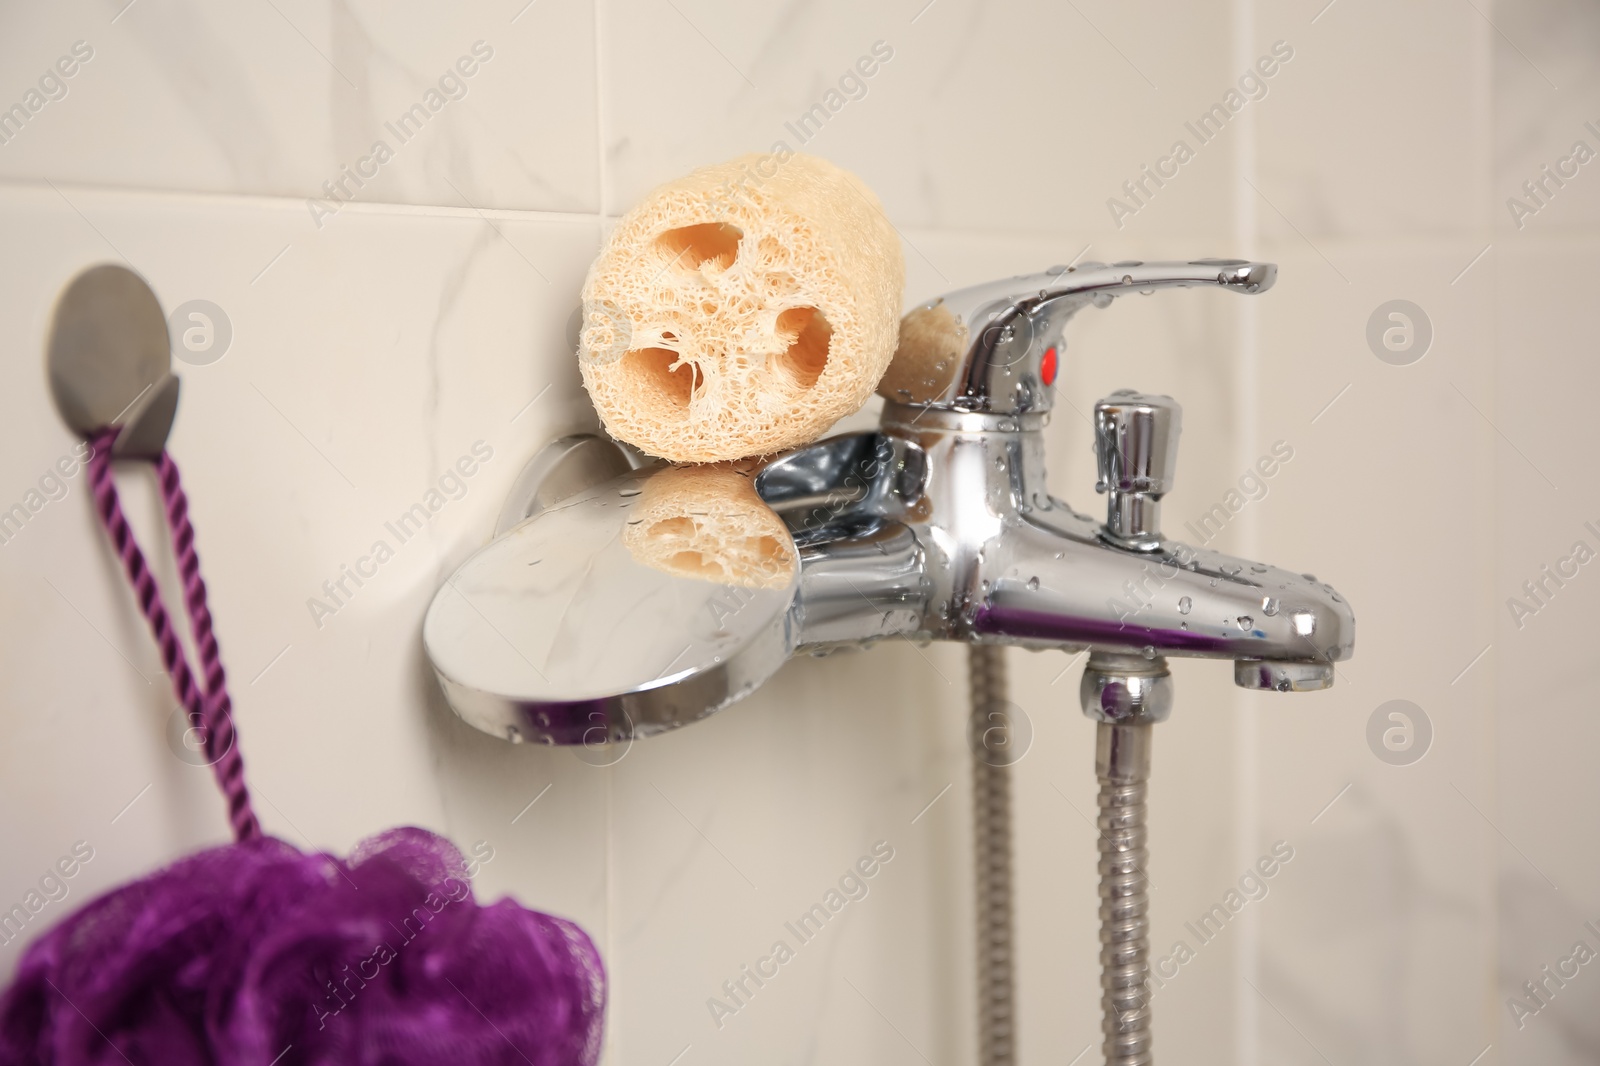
x: 1379, y: 126
x: 276, y: 99
x: 1378, y: 930
x: 1546, y: 797
x: 981, y: 120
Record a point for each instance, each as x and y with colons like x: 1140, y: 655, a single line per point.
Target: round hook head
x: 108, y: 347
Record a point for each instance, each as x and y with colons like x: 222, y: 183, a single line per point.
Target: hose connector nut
x: 1123, y: 689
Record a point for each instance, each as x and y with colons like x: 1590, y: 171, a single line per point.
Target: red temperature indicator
x: 1047, y: 366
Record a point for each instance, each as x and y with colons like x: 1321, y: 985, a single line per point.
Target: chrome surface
x: 1011, y: 323
x: 939, y: 525
x: 1136, y: 444
x: 556, y: 632
x: 1283, y: 677
x: 109, y: 360
x: 1126, y: 689
x: 991, y: 857
x: 560, y: 470
x: 148, y: 421
x: 1122, y: 766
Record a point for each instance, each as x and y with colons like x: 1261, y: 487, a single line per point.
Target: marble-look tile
x: 362, y: 364
x: 1548, y: 794
x: 991, y: 117
x: 1381, y: 927
x: 1545, y: 85
x: 727, y: 832
x: 1543, y: 235
x: 1379, y: 126
x: 277, y: 99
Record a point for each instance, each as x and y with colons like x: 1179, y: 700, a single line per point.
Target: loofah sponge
x: 932, y: 344
x: 741, y: 310
x: 708, y: 522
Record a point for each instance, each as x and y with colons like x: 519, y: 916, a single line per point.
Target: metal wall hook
x: 110, y: 360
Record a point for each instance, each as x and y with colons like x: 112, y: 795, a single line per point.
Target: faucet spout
x: 1058, y: 584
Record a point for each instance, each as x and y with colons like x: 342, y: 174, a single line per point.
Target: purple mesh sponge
x: 255, y: 954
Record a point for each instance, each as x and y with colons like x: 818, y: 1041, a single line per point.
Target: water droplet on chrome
x: 1033, y: 584
x: 513, y: 734
x: 1245, y: 622
x: 1185, y: 604
x: 1269, y: 606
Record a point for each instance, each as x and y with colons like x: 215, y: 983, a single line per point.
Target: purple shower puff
x: 256, y: 954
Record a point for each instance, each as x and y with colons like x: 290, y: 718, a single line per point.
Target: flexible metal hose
x: 990, y: 736
x: 1122, y: 764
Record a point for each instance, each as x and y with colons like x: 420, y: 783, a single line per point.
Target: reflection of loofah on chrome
x: 708, y: 522
x: 256, y: 953
x: 741, y: 310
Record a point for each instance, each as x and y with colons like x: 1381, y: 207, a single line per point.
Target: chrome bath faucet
x: 939, y: 525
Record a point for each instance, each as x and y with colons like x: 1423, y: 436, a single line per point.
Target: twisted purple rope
x: 210, y: 708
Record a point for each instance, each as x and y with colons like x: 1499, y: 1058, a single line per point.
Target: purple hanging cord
x: 210, y: 710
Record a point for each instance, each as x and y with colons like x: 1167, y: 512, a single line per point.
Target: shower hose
x: 1122, y: 767
x: 991, y: 825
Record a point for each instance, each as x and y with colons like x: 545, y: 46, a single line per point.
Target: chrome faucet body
x: 939, y: 525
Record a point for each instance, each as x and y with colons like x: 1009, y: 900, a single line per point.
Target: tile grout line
x: 212, y: 198
x: 393, y: 208
x: 611, y: 1046
x: 1247, y: 740
x: 602, y: 172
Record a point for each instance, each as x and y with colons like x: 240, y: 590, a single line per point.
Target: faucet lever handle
x: 993, y: 348
x: 1136, y: 441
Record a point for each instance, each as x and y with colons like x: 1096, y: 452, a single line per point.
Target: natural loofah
x: 708, y: 522
x: 928, y: 357
x: 741, y: 310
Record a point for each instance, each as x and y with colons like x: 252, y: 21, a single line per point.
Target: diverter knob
x: 1136, y: 439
